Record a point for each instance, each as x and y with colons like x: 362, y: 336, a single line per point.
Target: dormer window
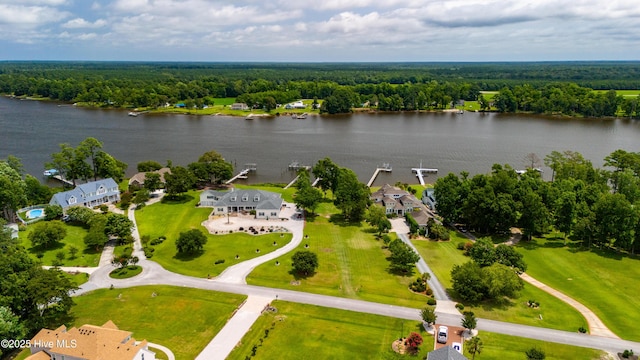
x: 102, y: 190
x: 233, y: 198
x: 72, y: 200
x: 256, y: 198
x: 245, y: 198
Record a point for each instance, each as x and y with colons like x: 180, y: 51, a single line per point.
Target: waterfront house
x: 137, y: 180
x: 267, y: 205
x: 295, y: 105
x: 395, y: 200
x: 88, y: 342
x: 445, y: 353
x: 91, y: 194
x: 239, y: 106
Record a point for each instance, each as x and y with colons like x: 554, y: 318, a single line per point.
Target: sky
x: 320, y: 31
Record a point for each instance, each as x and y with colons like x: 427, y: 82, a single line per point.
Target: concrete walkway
x: 231, y: 334
x: 164, y: 349
x: 596, y: 326
x: 74, y: 269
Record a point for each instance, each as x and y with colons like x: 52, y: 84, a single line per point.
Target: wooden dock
x: 243, y: 174
x: 292, y: 182
x: 60, y: 178
x: 419, y: 173
x: 294, y: 165
x: 385, y: 167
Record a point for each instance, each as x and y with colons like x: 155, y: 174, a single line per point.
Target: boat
x: 51, y: 172
x: 300, y: 116
x: 132, y: 113
x: 460, y: 112
x: 249, y: 117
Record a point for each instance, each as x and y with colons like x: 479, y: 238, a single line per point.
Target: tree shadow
x: 178, y: 199
x: 40, y: 249
x: 338, y: 219
x: 188, y: 256
x: 310, y: 217
x: 299, y: 276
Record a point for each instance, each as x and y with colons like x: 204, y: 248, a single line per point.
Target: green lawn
x: 182, y: 319
x: 75, y: 237
x: 604, y: 281
x: 441, y: 256
x: 171, y: 218
x: 300, y: 331
x: 498, y: 347
x: 351, y: 264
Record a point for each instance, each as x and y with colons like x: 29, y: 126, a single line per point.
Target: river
x: 32, y: 130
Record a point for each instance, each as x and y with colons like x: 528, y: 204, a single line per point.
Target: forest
x: 565, y: 88
x: 596, y: 206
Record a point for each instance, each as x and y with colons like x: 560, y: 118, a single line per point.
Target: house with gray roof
x: 446, y: 353
x: 266, y: 204
x: 89, y: 195
x: 395, y: 200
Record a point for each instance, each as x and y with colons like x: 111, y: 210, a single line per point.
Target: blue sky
x: 325, y: 30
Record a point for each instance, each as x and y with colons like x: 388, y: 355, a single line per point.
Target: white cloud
x: 29, y: 16
x: 79, y: 23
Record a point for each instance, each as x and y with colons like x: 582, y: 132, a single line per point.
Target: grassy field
x: 75, y: 237
x: 625, y: 93
x: 441, y: 256
x: 604, y: 281
x: 299, y: 331
x: 223, y: 106
x: 498, y: 347
x: 351, y: 264
x: 170, y: 219
x: 126, y: 272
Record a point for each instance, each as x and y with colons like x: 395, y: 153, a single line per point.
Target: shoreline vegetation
x: 566, y: 89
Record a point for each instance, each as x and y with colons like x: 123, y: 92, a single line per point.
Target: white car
x: 443, y: 334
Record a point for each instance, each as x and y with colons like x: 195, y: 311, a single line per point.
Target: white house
x: 239, y: 106
x: 88, y: 342
x: 266, y: 204
x: 295, y: 105
x: 91, y: 194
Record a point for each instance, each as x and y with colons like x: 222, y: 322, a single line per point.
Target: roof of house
x: 421, y: 217
x: 445, y: 353
x: 257, y: 198
x: 83, y: 192
x: 105, y: 342
x: 139, y: 177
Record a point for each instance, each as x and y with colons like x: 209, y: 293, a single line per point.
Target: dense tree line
x: 18, y: 189
x: 564, y: 98
x: 30, y: 296
x: 598, y: 206
x: 389, y: 87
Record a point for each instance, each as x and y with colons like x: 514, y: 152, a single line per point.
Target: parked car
x: 443, y: 334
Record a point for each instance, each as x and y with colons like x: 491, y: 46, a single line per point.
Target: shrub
x: 104, y: 208
x: 431, y: 301
x: 413, y: 343
x: 467, y: 246
x: 145, y: 239
x: 429, y: 292
x: 460, y: 246
x: 460, y: 306
x: 627, y: 354
x: 535, y: 354
x: 582, y: 330
x: 220, y: 261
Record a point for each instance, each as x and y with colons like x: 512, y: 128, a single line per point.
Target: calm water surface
x: 32, y: 130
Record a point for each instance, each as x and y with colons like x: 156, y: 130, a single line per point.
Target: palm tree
x: 469, y: 321
x: 474, y: 346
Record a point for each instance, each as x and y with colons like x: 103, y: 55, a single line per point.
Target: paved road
x: 154, y: 274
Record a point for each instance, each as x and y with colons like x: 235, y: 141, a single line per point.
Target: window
x: 220, y: 209
x: 260, y: 214
x: 233, y: 198
x: 102, y: 190
x: 72, y: 200
x: 274, y: 213
x: 256, y: 198
x: 210, y: 197
x: 245, y: 198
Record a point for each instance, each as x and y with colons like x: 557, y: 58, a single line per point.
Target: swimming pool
x: 35, y: 213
